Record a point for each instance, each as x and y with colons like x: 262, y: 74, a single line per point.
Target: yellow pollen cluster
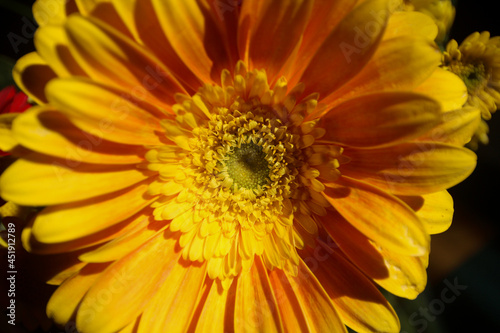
x: 242, y: 173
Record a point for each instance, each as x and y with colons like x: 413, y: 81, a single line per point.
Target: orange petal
x: 411, y: 168
x: 383, y: 218
x: 317, y: 307
x: 106, y: 55
x: 32, y: 183
x: 172, y: 307
x: 104, y: 112
x: 380, y: 119
x: 123, y: 283
x: 327, y: 14
x: 194, y: 36
x: 347, y: 49
x: 404, y: 276
x: 399, y: 64
x: 50, y: 132
x: 270, y: 30
x: 62, y: 223
x: 32, y: 74
x: 255, y: 308
x: 359, y: 303
x: 141, y: 18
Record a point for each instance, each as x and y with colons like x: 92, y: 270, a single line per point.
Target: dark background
x: 468, y: 254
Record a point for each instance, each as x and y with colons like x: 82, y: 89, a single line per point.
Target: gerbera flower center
x: 244, y: 181
x: 247, y: 166
x: 473, y: 75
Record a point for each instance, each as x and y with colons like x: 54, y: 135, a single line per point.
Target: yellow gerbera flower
x: 477, y: 62
x: 246, y: 166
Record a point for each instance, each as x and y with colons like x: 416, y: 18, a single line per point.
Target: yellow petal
x: 32, y: 183
x: 124, y: 283
x: 103, y: 112
x: 7, y: 139
x: 51, y: 44
x: 435, y: 210
x: 50, y: 12
x: 379, y: 119
x: 383, y: 218
x: 171, y: 309
x: 412, y: 168
x: 457, y: 127
x: 67, y: 297
x: 411, y: 24
x: 446, y: 88
x: 32, y: 74
x: 62, y: 223
x: 215, y: 312
x: 47, y: 131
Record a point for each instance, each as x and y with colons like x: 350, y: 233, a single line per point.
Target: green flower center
x: 247, y: 166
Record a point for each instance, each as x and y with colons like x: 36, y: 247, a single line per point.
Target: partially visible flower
x: 441, y: 11
x: 11, y: 104
x: 477, y: 62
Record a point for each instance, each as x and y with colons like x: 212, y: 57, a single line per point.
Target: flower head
x: 477, y: 62
x: 255, y: 166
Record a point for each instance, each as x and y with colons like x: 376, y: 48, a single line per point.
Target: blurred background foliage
x: 468, y: 254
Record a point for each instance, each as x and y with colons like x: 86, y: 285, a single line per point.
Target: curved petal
x: 457, y: 127
x: 380, y: 119
x: 411, y: 24
x: 7, y: 139
x: 65, y: 300
x: 52, y: 12
x: 49, y: 132
x: 194, y: 36
x: 435, y: 210
x: 51, y: 43
x: 141, y: 18
x: 359, y: 303
x: 172, y: 307
x: 347, y: 49
x: 316, y: 306
x: 402, y: 275
x: 41, y: 183
x: 215, y: 311
x: 269, y: 31
x: 255, y: 308
x: 32, y: 74
x: 63, y: 223
x: 106, y: 55
x: 400, y: 63
x: 446, y: 88
x: 104, y: 112
x: 383, y: 218
x: 123, y: 283
x: 31, y: 244
x: 412, y: 168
